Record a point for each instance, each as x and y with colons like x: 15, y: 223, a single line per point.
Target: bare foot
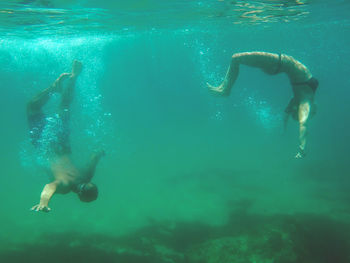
x: 77, y: 67
x: 57, y: 87
x: 218, y: 90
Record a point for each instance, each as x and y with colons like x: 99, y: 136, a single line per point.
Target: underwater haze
x: 188, y: 177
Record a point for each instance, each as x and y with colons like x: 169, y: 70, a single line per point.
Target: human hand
x: 100, y: 153
x: 300, y: 154
x: 97, y: 155
x: 41, y: 207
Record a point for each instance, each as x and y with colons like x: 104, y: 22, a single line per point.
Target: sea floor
x: 245, y: 238
x: 304, y: 220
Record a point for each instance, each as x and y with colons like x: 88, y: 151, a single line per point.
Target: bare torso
x: 65, y: 174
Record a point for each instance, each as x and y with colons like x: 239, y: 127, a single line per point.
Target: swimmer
x: 66, y: 177
x: 301, y: 107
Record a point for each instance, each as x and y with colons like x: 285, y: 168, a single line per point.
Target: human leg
x: 39, y: 100
x: 225, y: 87
x: 268, y: 62
x: 35, y: 116
x: 67, y: 95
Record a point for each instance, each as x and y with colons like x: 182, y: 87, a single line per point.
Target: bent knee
x: 236, y: 59
x: 237, y: 56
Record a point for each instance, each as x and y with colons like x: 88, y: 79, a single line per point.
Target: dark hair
x: 88, y: 192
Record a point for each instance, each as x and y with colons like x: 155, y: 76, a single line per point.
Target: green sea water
x: 187, y: 176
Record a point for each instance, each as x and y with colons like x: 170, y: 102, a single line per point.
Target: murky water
x: 187, y: 176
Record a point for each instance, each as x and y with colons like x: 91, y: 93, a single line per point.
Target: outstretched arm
x: 48, y: 191
x: 91, y: 166
x: 304, y: 113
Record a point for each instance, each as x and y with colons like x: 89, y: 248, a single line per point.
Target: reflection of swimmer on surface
x: 66, y: 177
x: 301, y: 107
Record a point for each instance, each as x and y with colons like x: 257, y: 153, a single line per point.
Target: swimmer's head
x: 87, y: 192
x: 77, y: 67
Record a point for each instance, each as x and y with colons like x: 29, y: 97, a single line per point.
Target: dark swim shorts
x: 312, y: 83
x: 57, y: 139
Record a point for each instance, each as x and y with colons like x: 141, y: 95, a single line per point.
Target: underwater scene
x: 212, y: 131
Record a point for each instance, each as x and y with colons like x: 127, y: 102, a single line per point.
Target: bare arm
x: 91, y: 166
x: 304, y: 113
x: 48, y: 191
